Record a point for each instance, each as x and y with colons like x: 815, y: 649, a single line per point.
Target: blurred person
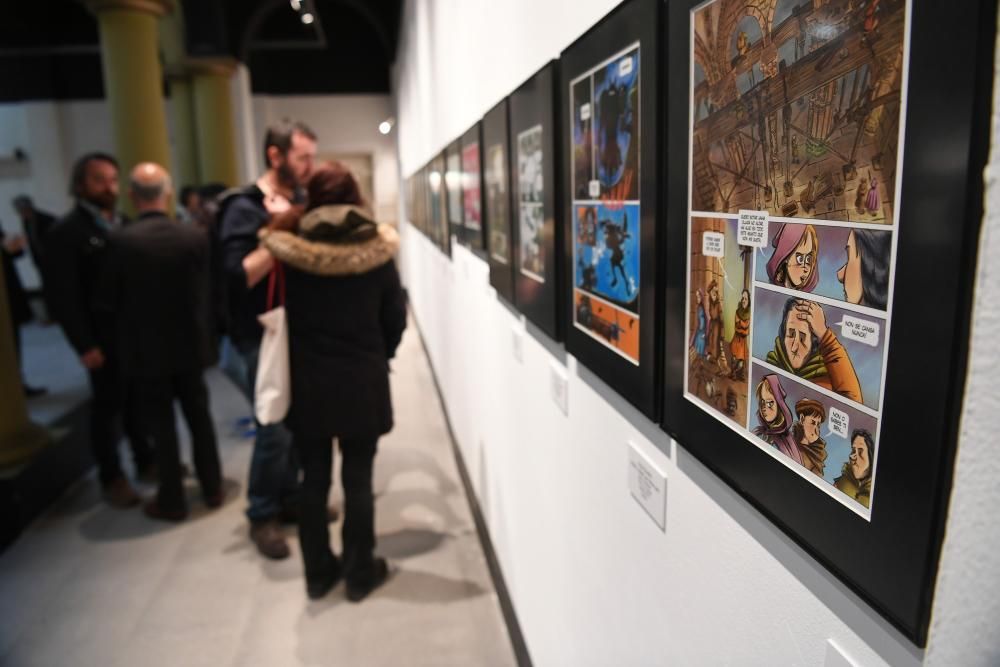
x: 17, y: 301
x: 77, y: 257
x: 157, y: 282
x: 289, y: 151
x: 346, y: 313
x: 37, y: 225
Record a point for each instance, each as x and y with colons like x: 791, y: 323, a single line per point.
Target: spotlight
x: 434, y: 178
x: 307, y: 18
x: 385, y: 127
x: 296, y: 4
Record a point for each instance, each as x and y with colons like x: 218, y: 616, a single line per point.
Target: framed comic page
x: 472, y: 188
x: 497, y: 218
x: 453, y: 191
x: 816, y: 315
x: 610, y: 87
x: 534, y: 139
x: 437, y: 210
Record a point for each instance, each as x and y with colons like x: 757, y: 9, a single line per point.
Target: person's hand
x: 15, y: 244
x: 275, y: 203
x: 92, y: 359
x: 813, y: 314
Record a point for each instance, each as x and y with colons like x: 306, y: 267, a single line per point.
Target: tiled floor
x: 89, y: 585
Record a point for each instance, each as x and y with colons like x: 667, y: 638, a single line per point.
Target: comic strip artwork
x: 606, y: 210
x: 495, y: 178
x: 435, y: 187
x: 531, y: 203
x: 453, y: 181
x: 796, y: 107
x: 472, y: 199
x: 795, y: 118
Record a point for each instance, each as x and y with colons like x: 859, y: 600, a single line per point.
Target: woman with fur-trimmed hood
x: 346, y: 312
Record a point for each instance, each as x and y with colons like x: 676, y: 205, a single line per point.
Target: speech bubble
x: 625, y: 67
x: 594, y: 187
x: 585, y: 111
x: 713, y: 244
x: 859, y: 330
x: 839, y: 423
x: 752, y: 228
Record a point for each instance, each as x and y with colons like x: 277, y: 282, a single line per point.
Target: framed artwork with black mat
x: 439, y: 228
x: 497, y: 199
x: 472, y: 190
x: 453, y: 191
x: 534, y: 138
x: 609, y: 87
x: 816, y: 313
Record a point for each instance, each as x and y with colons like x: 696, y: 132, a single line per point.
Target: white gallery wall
x: 593, y: 580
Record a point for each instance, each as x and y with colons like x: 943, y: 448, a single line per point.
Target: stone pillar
x: 133, y: 79
x: 181, y: 89
x: 215, y: 119
x: 19, y: 437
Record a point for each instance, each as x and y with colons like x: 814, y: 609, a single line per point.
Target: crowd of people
x: 148, y: 303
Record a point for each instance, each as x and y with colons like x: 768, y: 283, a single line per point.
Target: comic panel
x: 495, y: 176
x: 531, y: 214
x: 829, y: 438
x: 830, y: 346
x: 437, y: 215
x: 719, y: 319
x: 800, y: 115
x: 851, y: 265
x: 583, y: 139
x: 453, y: 181
x: 606, y: 252
x: 616, y: 126
x: 470, y: 186
x: 616, y: 328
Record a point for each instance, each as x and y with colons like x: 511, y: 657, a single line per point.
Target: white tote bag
x: 273, y: 384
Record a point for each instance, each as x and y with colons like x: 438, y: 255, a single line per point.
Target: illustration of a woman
x: 795, y: 260
x: 738, y: 346
x: 700, y: 334
x: 872, y: 202
x: 865, y: 273
x: 774, y: 418
x: 861, y: 195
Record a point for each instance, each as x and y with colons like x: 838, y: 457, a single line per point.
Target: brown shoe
x: 120, y: 494
x: 269, y: 539
x: 153, y: 510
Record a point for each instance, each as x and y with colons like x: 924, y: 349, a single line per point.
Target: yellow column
x: 186, y: 171
x: 19, y: 438
x: 133, y: 78
x: 214, y: 118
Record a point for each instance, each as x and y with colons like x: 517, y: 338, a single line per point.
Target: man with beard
x: 812, y: 447
x: 856, y: 478
x: 806, y: 347
x: 77, y: 259
x: 289, y: 151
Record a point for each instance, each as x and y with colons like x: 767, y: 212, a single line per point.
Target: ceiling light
x: 296, y: 4
x: 307, y: 18
x: 385, y: 127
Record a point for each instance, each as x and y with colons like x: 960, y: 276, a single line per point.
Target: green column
x: 186, y: 170
x: 214, y: 119
x: 19, y: 437
x: 133, y: 79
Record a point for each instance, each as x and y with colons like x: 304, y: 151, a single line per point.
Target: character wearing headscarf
x: 774, y: 418
x: 795, y: 260
x: 738, y: 346
x: 714, y: 321
x: 872, y: 202
x: 701, y: 332
x: 812, y: 447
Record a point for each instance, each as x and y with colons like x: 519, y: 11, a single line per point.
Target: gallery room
x: 457, y: 332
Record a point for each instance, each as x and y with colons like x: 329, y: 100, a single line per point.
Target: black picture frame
x: 453, y: 191
x: 472, y: 189
x: 498, y: 201
x: 534, y: 178
x: 603, y: 337
x: 890, y: 561
x: 440, y: 230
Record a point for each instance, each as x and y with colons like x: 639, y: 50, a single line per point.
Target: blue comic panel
x: 616, y: 96
x: 606, y: 252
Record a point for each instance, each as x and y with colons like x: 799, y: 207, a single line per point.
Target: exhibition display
x: 472, y: 191
x: 453, y: 191
x: 534, y: 141
x: 497, y: 197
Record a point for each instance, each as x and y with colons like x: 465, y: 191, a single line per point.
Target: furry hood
x: 353, y: 243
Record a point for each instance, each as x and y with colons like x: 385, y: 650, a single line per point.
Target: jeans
x: 274, y: 465
x: 359, y: 506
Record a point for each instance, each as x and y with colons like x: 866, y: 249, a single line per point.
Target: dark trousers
x: 111, y: 407
x: 156, y: 396
x: 358, y: 531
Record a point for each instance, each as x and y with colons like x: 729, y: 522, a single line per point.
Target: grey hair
x: 153, y: 191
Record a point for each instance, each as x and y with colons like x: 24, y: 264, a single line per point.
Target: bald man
x: 158, y: 283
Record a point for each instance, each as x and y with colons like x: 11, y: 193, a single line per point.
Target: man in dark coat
x: 17, y: 299
x: 157, y: 281
x: 289, y: 150
x: 37, y: 225
x: 77, y: 255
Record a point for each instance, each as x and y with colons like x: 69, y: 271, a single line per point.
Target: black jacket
x: 241, y: 215
x: 38, y: 229
x: 346, y: 313
x: 158, y: 285
x: 77, y: 254
x: 17, y: 298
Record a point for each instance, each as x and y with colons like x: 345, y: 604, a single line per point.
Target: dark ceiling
x: 50, y: 50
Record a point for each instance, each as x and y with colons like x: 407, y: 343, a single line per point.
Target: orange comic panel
x: 615, y: 327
